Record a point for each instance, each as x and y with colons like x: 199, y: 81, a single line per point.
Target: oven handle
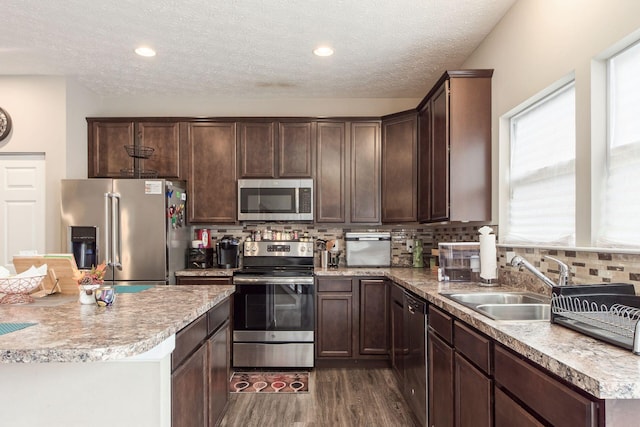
x: 273, y: 281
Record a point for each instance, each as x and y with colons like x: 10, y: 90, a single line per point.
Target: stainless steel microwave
x: 275, y: 200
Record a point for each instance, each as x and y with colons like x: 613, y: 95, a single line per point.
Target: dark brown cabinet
x: 365, y: 166
x: 109, y: 159
x: 399, y: 167
x: 352, y: 319
x: 454, y: 153
x: 348, y: 179
x: 193, y: 280
x: 541, y: 395
x: 398, y: 342
x: 211, y: 184
x: 257, y: 146
x: 331, y: 177
x: 276, y: 149
x: 296, y: 144
x: 200, y: 366
x: 374, y: 317
x: 441, y: 361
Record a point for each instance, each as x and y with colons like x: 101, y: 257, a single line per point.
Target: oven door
x: 273, y: 308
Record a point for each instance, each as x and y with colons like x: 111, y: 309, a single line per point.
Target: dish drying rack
x: 617, y: 324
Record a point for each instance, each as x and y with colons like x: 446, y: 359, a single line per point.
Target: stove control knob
x: 303, y: 249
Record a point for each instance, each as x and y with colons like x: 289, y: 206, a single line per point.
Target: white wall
x: 43, y: 122
x: 238, y: 107
x: 537, y: 43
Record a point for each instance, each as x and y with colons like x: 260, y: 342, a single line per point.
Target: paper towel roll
x: 488, y: 259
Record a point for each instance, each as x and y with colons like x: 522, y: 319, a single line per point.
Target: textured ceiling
x: 250, y: 48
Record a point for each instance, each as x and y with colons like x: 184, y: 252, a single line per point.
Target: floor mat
x: 269, y: 382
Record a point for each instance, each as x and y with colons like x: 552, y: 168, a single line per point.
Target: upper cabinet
x: 276, y: 149
x: 211, y: 184
x: 257, y: 149
x: 348, y: 171
x: 454, y: 148
x: 399, y: 167
x: 108, y: 157
x: 331, y: 176
x: 365, y: 171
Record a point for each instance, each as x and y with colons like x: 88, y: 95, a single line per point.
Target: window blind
x: 620, y: 209
x: 541, y: 207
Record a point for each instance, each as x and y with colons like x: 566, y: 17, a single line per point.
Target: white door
x: 22, y: 205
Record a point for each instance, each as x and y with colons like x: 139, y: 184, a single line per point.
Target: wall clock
x: 5, y: 124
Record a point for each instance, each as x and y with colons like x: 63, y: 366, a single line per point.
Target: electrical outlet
x: 409, y: 245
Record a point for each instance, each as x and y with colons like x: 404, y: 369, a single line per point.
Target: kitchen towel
x: 488, y: 257
x: 131, y: 289
x: 6, y: 328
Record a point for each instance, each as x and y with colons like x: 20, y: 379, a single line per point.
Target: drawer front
x: 441, y: 323
x: 508, y: 413
x: 334, y: 285
x: 217, y: 316
x: 546, y: 396
x: 473, y: 346
x: 188, y: 339
x: 397, y: 293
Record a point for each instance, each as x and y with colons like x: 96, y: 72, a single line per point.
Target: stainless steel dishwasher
x: 415, y: 363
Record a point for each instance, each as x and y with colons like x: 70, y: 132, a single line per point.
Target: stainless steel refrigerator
x: 138, y: 226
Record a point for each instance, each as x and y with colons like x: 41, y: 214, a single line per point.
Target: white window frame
x: 506, y: 130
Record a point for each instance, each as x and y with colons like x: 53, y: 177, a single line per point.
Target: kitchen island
x: 88, y: 365
x: 602, y: 370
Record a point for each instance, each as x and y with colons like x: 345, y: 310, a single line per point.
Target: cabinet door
x: 296, y: 143
x: 374, y: 317
x: 107, y: 154
x: 219, y: 372
x: 164, y: 138
x: 473, y: 395
x: 189, y: 391
x: 399, y: 168
x: 331, y: 172
x: 212, y: 172
x: 335, y: 325
x: 257, y: 150
x: 508, y: 413
x: 424, y: 163
x: 398, y: 347
x: 440, y: 358
x: 440, y: 155
x: 365, y: 172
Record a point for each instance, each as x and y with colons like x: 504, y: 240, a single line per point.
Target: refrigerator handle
x: 107, y: 229
x: 117, y: 247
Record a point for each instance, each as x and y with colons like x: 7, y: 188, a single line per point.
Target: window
x: 620, y: 210
x: 541, y: 207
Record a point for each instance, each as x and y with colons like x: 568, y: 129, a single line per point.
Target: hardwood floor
x: 337, y: 397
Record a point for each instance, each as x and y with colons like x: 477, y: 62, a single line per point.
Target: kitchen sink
x: 498, y: 298
x: 524, y: 306
x: 516, y: 311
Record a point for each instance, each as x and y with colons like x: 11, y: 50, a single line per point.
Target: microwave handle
x: 297, y: 200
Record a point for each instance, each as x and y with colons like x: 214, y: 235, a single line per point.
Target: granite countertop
x: 206, y: 272
x: 602, y: 370
x: 136, y: 323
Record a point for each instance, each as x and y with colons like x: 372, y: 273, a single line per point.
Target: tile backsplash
x: 586, y: 266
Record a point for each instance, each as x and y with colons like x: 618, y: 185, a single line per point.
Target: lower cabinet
x: 200, y: 366
x: 541, y: 396
x: 474, y: 381
x: 352, y: 319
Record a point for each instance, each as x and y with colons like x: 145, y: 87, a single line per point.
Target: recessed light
x: 323, y: 51
x: 145, y: 51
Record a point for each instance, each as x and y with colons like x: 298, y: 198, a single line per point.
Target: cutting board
x: 60, y: 266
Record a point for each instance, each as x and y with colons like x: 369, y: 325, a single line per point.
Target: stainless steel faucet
x: 563, y: 279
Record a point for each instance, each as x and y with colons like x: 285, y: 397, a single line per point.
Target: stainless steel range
x: 273, y: 319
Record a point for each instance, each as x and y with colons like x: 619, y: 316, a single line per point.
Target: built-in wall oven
x: 273, y: 319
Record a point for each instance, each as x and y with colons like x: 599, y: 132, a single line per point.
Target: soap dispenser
x: 417, y: 254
